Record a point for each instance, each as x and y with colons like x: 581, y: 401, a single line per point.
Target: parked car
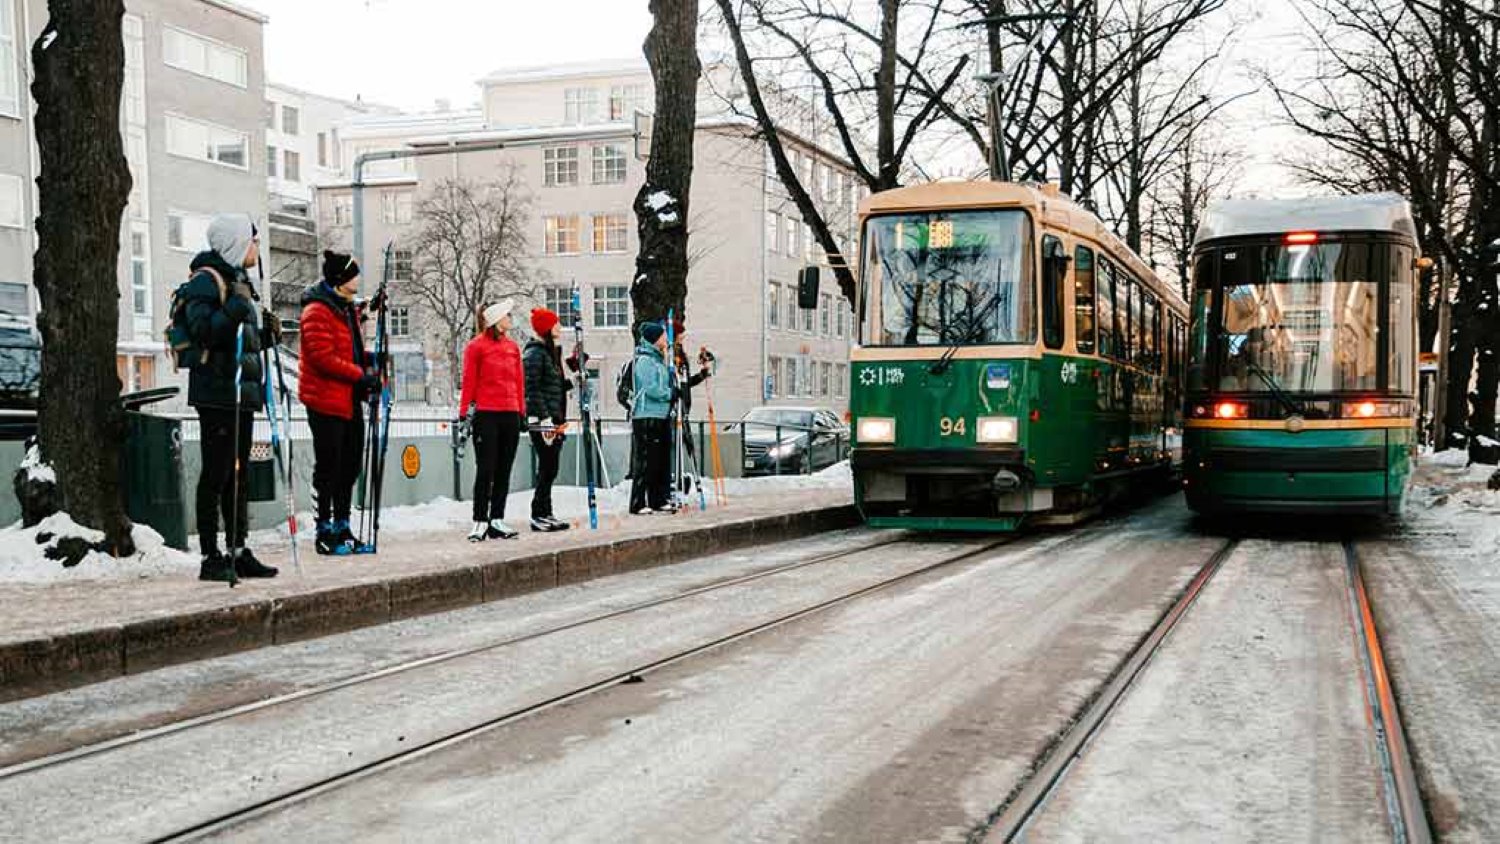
x: 20, y: 362
x: 791, y: 440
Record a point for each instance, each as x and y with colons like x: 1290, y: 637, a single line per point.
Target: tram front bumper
x: 969, y: 482
x: 1325, y: 471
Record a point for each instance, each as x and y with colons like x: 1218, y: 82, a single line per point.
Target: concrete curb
x: 39, y: 666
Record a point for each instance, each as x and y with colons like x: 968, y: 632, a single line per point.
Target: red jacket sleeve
x: 470, y: 378
x: 321, y: 342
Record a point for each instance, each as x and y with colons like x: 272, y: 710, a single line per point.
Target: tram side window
x: 1109, y: 331
x: 1083, y: 299
x: 1402, y: 307
x: 1153, y: 309
x: 1054, y: 275
x: 1130, y: 316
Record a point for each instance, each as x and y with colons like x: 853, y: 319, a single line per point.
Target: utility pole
x: 1445, y: 341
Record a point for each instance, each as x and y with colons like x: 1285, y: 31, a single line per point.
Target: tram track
x: 176, y: 727
x: 1405, y: 813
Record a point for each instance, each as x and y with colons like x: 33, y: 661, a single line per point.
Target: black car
x: 20, y: 362
x: 791, y: 440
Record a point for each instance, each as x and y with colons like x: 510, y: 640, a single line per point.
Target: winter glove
x: 573, y: 363
x: 272, y: 325
x: 238, y: 309
x: 368, y: 383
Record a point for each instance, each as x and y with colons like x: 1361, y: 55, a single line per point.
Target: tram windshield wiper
x: 1277, y: 392
x: 946, y: 360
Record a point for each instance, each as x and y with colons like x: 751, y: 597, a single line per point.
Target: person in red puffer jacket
x: 494, y: 384
x: 334, y: 375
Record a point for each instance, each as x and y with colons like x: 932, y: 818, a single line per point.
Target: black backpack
x: 625, y: 384
x: 179, y: 340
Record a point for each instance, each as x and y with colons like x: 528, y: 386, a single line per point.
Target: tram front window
x: 951, y: 279
x: 1298, y: 318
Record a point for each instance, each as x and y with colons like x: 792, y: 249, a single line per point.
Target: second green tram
x: 1015, y: 361
x: 1302, y: 372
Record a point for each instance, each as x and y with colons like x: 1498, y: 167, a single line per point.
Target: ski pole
x: 231, y: 519
x: 280, y: 445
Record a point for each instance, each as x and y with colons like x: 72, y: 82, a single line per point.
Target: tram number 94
x: 952, y: 427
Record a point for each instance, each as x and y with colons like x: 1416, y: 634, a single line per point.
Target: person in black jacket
x: 546, y: 412
x: 222, y: 316
x: 686, y: 381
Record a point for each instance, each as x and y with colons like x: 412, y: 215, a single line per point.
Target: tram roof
x: 1356, y: 212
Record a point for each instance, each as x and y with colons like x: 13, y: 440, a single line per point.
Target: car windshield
x: 950, y: 278
x: 779, y: 416
x: 1300, y: 318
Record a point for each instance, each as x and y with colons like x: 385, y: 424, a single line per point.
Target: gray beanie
x: 230, y: 235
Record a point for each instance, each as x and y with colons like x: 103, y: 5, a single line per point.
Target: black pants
x: 651, y: 478
x: 496, y: 435
x: 222, y: 490
x: 338, y: 457
x: 548, y: 459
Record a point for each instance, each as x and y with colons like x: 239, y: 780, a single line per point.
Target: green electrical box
x: 152, y: 476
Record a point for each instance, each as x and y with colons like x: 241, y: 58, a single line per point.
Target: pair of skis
x: 678, y: 425
x: 584, y: 414
x: 281, y: 422
x: 379, y: 435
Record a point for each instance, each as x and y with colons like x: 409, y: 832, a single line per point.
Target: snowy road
x: 858, y: 686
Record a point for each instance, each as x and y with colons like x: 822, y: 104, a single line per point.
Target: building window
x: 840, y: 380
x: 400, y: 321
x: 322, y: 149
x: 580, y: 105
x: 773, y: 305
x: 789, y: 385
x: 808, y: 244
x: 271, y: 161
x: 12, y: 202
x: 790, y: 302
x: 840, y: 319
x: 611, y: 306
x: 343, y: 210
x: 560, y: 235
x: 15, y: 298
x: 203, y: 141
x: 609, y: 164
x: 140, y: 274
x: 187, y: 232
x: 270, y: 117
x: 625, y: 99
x: 401, y: 268
x: 10, y: 80
x: 830, y: 183
x: 773, y: 232
x: 825, y: 375
x: 396, y: 208
x: 560, y: 166
x: 846, y: 188
x: 204, y: 56
x: 610, y: 233
x: 825, y: 314
x: 293, y: 170
x: 291, y: 120
x: 558, y: 298
x: 810, y: 320
x: 793, y: 238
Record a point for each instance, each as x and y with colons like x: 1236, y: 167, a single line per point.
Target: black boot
x: 245, y: 565
x: 217, y: 568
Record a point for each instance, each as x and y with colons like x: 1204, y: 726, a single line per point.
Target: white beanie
x: 496, y: 312
x: 230, y: 235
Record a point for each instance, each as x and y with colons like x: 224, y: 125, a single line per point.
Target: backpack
x: 625, y: 384
x: 180, y: 343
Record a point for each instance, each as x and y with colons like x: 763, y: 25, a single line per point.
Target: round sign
x: 411, y: 461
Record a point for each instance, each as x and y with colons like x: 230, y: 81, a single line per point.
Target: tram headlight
x: 876, y: 429
x: 996, y: 429
x: 1374, y: 409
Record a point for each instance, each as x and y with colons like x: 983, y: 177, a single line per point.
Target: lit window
x: 610, y: 231
x: 204, y: 56
x: 580, y: 105
x: 611, y: 306
x: 207, y: 142
x: 560, y: 166
x: 560, y: 235
x: 609, y: 164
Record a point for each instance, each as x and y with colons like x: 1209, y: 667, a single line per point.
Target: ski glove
x: 368, y: 383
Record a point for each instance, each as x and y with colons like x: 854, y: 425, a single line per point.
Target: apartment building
x: 190, y: 118
x: 568, y: 133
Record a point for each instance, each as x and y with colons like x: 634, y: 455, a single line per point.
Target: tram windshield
x: 1297, y: 318
x: 950, y: 278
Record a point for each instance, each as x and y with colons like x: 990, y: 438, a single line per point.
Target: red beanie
x: 542, y: 321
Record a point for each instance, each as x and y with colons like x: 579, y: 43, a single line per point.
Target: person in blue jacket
x: 651, y: 481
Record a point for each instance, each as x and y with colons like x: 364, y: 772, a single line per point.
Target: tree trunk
x: 889, y: 168
x: 661, y: 207
x: 79, y: 62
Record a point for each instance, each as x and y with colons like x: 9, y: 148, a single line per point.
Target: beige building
x: 568, y: 131
x: 191, y: 120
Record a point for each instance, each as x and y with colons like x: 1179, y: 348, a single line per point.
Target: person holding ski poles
x: 335, y: 376
x: 547, y: 389
x: 686, y: 381
x: 651, y: 438
x: 221, y: 321
x: 494, y: 384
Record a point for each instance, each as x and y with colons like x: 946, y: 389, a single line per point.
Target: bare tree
x: 1201, y: 169
x: 661, y: 205
x: 84, y: 183
x: 468, y: 250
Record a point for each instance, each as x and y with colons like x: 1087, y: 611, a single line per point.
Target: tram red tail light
x: 1301, y: 238
x: 1231, y: 410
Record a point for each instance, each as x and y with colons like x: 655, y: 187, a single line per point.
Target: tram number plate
x: 952, y: 427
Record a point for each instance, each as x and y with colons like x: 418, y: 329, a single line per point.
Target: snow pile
x: 23, y: 554
x: 1449, y: 488
x: 36, y: 470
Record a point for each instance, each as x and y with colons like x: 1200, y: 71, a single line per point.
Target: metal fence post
x: 776, y: 450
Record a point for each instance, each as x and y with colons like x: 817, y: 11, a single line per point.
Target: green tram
x: 1302, y: 372
x: 1015, y: 361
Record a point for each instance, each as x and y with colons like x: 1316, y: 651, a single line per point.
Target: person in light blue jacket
x: 651, y: 479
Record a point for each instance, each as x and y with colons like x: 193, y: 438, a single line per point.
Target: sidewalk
x: 72, y: 632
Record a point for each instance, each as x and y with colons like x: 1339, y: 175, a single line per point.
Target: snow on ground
x: 1447, y: 495
x: 23, y: 554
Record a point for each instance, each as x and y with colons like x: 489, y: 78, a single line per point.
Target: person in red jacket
x: 494, y: 384
x: 334, y: 375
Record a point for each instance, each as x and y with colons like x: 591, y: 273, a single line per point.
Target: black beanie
x: 338, y: 268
